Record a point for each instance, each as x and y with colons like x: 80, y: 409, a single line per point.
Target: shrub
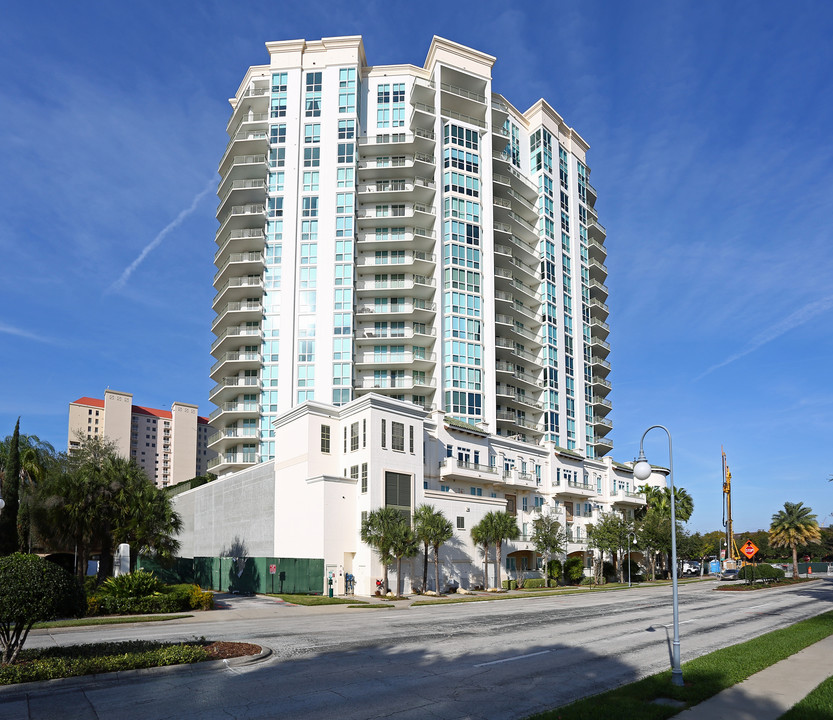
x: 554, y: 569
x: 33, y: 589
x: 509, y: 584
x: 764, y: 572
x: 608, y: 571
x: 171, y: 598
x: 132, y: 585
x: 574, y: 570
x: 534, y: 583
x: 592, y: 581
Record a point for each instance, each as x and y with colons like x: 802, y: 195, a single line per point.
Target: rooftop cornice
x: 548, y: 111
x: 439, y: 44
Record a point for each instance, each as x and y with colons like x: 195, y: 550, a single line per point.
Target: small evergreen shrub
x: 763, y: 572
x: 574, y: 570
x: 132, y: 585
x: 169, y: 599
x: 534, y: 583
x: 554, y: 568
x: 509, y: 584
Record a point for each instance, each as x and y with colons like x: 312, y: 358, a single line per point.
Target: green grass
x: 313, y: 599
x: 377, y: 606
x: 816, y: 705
x: 704, y: 676
x: 80, y: 622
x: 71, y: 661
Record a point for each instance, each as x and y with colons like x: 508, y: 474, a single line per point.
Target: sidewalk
x: 770, y: 693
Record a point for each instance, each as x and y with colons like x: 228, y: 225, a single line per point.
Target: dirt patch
x: 225, y: 650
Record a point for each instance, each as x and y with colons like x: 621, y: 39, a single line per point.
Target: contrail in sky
x: 10, y: 330
x: 799, y: 317
x: 175, y: 223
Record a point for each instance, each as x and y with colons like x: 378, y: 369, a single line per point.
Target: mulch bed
x: 226, y: 650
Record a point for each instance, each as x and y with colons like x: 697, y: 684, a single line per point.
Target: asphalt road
x: 490, y: 660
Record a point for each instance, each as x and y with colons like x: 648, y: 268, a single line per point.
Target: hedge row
x: 764, y: 572
x: 170, y: 599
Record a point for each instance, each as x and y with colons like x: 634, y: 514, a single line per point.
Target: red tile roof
x: 136, y: 409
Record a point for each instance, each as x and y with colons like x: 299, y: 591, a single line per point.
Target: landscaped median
x: 74, y: 660
x: 704, y: 677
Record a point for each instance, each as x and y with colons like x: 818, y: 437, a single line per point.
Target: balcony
x: 598, y: 270
x: 245, y: 240
x: 512, y: 350
x: 422, y: 116
x: 598, y: 309
x: 603, y: 446
x: 417, y: 285
x: 235, y: 361
x: 244, y: 191
x: 231, y: 437
x: 398, y: 142
x: 602, y: 424
x: 397, y: 190
x: 597, y: 250
x: 238, y: 167
x: 421, y: 263
x: 233, y: 335
x: 599, y: 328
x: 581, y: 489
x: 631, y: 499
x: 597, y: 231
x: 243, y: 216
x: 248, y: 141
x: 599, y: 365
x: 238, y: 288
x: 230, y: 462
x: 418, y: 310
x: 600, y: 385
x: 592, y: 195
x: 507, y: 325
x: 235, y: 408
x: 599, y: 346
x: 237, y: 311
x: 455, y: 469
x: 374, y: 168
x: 598, y: 290
x: 381, y: 385
x: 237, y: 264
x: 518, y: 374
x: 366, y: 334
x: 601, y: 406
x: 507, y: 393
x: 424, y: 361
x: 232, y: 386
x: 407, y: 238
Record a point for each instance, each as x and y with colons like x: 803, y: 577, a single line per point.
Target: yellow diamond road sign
x: 749, y: 549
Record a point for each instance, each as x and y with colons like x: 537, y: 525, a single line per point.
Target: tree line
x: 85, y: 503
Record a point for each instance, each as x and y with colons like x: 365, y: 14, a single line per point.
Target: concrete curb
x: 15, y: 692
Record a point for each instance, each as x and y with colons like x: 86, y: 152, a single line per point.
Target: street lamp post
x: 642, y: 471
x: 630, y: 542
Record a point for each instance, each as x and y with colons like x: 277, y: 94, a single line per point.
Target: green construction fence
x: 247, y: 575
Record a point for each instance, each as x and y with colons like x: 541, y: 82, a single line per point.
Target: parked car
x: 729, y: 575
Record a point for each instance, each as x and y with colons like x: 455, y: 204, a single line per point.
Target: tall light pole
x: 630, y: 535
x: 642, y: 471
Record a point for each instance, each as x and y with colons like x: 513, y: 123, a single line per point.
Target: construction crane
x: 732, y: 553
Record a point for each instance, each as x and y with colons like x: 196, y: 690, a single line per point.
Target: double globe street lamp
x: 642, y: 471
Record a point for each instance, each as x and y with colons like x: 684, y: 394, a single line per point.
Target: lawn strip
x: 312, y: 599
x: 704, y: 676
x: 816, y: 705
x: 115, y: 620
x: 377, y: 606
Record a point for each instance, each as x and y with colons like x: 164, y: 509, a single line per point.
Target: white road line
x: 758, y: 606
x: 682, y: 622
x: 517, y: 657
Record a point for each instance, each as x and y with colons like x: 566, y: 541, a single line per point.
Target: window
x: 397, y: 432
x: 354, y: 436
x: 312, y: 100
x: 461, y: 522
x: 312, y: 157
x: 364, y: 433
x: 476, y: 491
x: 411, y: 438
x: 398, y: 491
x: 354, y: 472
x: 364, y: 477
x: 312, y: 133
x: 346, y: 129
x: 345, y: 438
x: 345, y: 153
x: 325, y: 439
x: 384, y: 435
x: 311, y: 181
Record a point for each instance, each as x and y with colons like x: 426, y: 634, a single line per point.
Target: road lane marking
x: 758, y: 606
x: 510, y: 659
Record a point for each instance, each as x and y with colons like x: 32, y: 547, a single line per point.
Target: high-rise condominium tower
x: 405, y: 231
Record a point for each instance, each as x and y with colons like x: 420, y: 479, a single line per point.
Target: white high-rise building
x: 405, y: 231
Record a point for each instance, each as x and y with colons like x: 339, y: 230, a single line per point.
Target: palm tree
x: 403, y: 543
x: 377, y: 529
x: 433, y: 529
x: 481, y: 538
x: 659, y: 499
x: 37, y: 458
x: 500, y: 526
x: 793, y: 526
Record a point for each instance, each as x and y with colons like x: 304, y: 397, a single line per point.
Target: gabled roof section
x: 91, y: 402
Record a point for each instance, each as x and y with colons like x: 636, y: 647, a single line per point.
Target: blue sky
x: 710, y: 126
